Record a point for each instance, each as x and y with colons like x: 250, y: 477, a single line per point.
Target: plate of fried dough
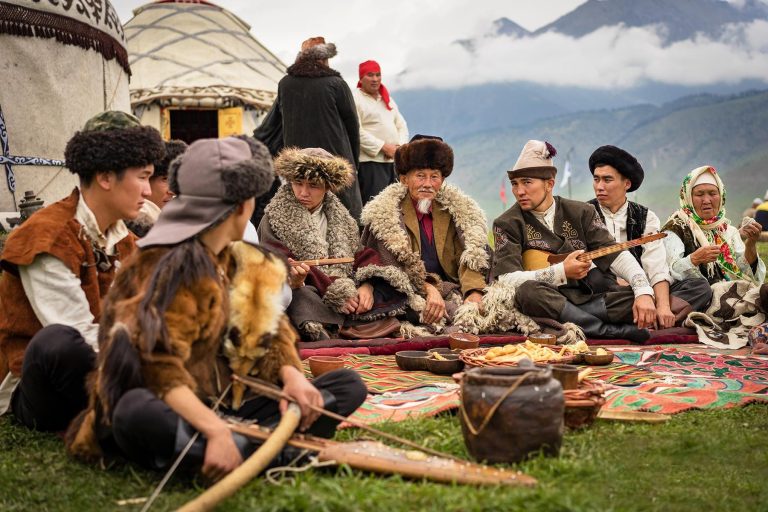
x: 511, y: 355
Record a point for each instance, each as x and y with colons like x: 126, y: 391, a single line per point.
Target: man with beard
x: 571, y: 291
x: 432, y: 231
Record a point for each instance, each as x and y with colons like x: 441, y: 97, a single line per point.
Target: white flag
x: 566, y: 174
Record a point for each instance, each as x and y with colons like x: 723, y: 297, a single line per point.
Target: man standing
x: 59, y: 264
x: 571, y: 291
x: 314, y: 108
x: 615, y: 173
x: 432, y: 231
x: 382, y: 130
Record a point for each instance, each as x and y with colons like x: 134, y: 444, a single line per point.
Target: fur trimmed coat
x: 258, y: 341
x: 288, y: 228
x: 391, y: 228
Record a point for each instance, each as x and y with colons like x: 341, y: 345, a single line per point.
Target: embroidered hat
x: 424, y: 152
x: 626, y: 164
x: 210, y: 179
x: 112, y: 141
x: 535, y: 161
x: 314, y: 165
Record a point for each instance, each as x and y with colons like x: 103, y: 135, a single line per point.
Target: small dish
x: 594, y: 359
x: 319, y: 365
x: 543, y: 338
x: 444, y: 350
x: 463, y: 341
x: 410, y: 360
x: 448, y: 366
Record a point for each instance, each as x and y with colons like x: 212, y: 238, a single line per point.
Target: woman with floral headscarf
x: 701, y: 242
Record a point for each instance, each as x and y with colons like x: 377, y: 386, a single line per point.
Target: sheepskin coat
x: 315, y: 108
x: 258, y: 340
x: 287, y: 227
x: 390, y: 227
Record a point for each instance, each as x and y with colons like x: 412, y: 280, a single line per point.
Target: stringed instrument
x: 535, y: 259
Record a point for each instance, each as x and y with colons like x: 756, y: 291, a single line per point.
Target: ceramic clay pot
x: 528, y: 419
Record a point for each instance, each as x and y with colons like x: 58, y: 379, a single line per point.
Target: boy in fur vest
x: 59, y: 264
x: 163, y: 329
x: 431, y: 231
x: 305, y: 220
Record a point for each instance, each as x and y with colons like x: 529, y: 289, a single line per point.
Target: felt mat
x: 420, y: 402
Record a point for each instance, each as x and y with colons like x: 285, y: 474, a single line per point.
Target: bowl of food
x: 447, y: 364
x: 319, y: 365
x: 543, y: 338
x: 599, y: 357
x: 410, y: 360
x: 463, y: 341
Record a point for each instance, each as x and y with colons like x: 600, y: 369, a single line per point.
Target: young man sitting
x: 59, y: 264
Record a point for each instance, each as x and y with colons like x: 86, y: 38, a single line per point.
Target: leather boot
x: 595, y: 327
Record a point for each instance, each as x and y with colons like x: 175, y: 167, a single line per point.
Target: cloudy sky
x: 411, y: 39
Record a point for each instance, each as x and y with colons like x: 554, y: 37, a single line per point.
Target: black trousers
x: 145, y: 428
x: 539, y: 299
x: 375, y: 177
x: 52, y: 388
x: 695, y: 291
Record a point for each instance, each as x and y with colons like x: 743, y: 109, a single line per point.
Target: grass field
x: 697, y: 461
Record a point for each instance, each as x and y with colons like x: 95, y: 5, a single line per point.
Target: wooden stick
x: 323, y: 261
x: 266, y: 389
x: 647, y: 417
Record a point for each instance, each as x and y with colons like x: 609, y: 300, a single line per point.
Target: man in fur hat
x: 314, y: 108
x: 616, y: 173
x: 570, y: 291
x: 432, y: 231
x: 160, y: 364
x: 305, y: 221
x: 161, y: 194
x: 59, y: 264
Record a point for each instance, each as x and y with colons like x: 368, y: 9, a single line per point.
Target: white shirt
x: 654, y: 256
x: 321, y: 223
x: 55, y: 294
x: 624, y: 266
x: 378, y: 126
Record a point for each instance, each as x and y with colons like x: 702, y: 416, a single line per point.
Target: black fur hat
x: 424, y: 152
x: 173, y: 148
x: 626, y: 164
x: 112, y: 141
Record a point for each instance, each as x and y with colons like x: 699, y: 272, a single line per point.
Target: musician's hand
x: 297, y: 274
x: 706, y: 254
x: 664, y: 317
x: 221, y: 454
x: 364, y: 298
x: 575, y: 269
x: 434, y: 309
x: 303, y: 392
x: 644, y: 312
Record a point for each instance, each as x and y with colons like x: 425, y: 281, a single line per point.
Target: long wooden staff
x: 322, y: 261
x: 268, y: 390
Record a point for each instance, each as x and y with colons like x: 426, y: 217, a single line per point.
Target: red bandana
x: 371, y: 66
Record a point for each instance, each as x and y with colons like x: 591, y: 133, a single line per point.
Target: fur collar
x: 469, y: 219
x: 311, y: 68
x: 291, y: 223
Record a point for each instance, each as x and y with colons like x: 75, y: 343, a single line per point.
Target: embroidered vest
x: 636, y: 218
x: 52, y: 230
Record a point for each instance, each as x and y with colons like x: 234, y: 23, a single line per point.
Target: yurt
x: 197, y: 70
x: 61, y: 63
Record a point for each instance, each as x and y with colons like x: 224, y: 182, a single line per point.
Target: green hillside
x: 730, y: 133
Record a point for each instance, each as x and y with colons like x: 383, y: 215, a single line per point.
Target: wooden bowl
x: 319, y: 365
x: 411, y: 360
x: 444, y: 350
x: 543, y: 338
x: 463, y: 341
x: 594, y: 359
x: 451, y: 365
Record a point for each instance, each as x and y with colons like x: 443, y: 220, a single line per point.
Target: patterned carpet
x: 654, y: 379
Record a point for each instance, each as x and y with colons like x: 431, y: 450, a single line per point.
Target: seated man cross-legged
x: 571, y: 291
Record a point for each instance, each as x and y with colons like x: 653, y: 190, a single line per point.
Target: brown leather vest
x: 52, y: 230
